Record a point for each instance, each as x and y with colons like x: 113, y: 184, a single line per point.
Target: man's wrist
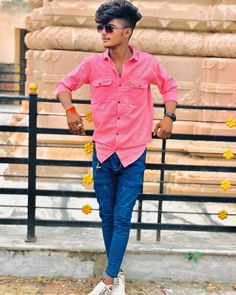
x: 170, y: 115
x: 71, y: 110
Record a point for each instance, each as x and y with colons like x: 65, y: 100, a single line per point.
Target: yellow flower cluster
x: 225, y: 184
x: 88, y: 147
x: 228, y: 154
x: 231, y: 122
x: 87, y: 179
x: 87, y: 209
x: 89, y: 117
x: 222, y: 214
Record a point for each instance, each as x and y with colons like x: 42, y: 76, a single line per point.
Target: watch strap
x: 170, y: 115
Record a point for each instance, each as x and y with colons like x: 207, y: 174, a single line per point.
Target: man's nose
x: 103, y: 31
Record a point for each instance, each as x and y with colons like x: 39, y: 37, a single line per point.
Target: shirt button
x: 119, y: 84
x: 118, y: 118
x: 118, y: 101
x: 117, y: 133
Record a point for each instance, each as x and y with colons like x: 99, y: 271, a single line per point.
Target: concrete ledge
x: 211, y: 267
x: 79, y: 253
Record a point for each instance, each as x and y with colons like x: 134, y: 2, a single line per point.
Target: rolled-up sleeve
x: 166, y: 84
x: 75, y: 79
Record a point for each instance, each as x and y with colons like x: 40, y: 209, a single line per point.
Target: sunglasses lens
x: 100, y: 28
x: 108, y: 29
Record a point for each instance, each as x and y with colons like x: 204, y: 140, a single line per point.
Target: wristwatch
x: 171, y: 115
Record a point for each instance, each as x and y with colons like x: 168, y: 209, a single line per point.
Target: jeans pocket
x: 98, y: 165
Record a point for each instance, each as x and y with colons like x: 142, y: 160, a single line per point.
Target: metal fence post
x: 32, y: 146
x: 161, y: 190
x: 140, y: 208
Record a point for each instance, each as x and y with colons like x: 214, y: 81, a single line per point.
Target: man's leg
x: 130, y: 180
x: 105, y: 188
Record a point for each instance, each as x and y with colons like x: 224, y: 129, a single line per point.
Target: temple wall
x: 12, y: 16
x: 194, y: 40
x: 199, y: 36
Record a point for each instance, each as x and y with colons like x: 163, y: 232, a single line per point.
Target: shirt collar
x: 133, y: 57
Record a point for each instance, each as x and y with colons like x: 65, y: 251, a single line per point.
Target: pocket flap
x: 138, y: 84
x: 102, y: 82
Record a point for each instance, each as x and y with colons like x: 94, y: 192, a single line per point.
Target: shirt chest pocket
x: 138, y: 84
x: 102, y: 90
x: 137, y: 91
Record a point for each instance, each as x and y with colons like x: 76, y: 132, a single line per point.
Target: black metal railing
x: 160, y: 197
x: 12, y: 79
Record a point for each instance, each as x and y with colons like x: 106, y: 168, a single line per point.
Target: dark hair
x: 121, y: 9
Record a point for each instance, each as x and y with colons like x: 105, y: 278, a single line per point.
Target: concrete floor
x: 81, y: 253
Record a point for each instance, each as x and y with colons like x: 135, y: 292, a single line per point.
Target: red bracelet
x: 71, y: 109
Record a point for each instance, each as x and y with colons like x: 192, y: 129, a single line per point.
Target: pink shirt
x: 122, y: 107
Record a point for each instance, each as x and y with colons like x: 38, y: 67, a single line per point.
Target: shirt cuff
x: 60, y: 88
x: 170, y: 96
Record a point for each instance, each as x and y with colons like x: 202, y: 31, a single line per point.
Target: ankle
x: 108, y: 280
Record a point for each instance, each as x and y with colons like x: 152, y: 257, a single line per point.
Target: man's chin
x: 107, y: 46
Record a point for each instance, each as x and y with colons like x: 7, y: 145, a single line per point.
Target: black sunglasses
x: 109, y: 28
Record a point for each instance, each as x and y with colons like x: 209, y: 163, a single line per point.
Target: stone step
x: 73, y: 252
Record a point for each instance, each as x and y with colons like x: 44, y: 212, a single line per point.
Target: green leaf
x: 197, y: 254
x: 192, y: 256
x: 188, y: 254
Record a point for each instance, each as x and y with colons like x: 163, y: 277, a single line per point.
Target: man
x: 122, y: 110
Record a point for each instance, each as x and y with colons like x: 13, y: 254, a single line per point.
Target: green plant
x: 192, y: 256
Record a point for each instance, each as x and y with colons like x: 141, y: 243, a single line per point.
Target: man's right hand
x: 75, y: 123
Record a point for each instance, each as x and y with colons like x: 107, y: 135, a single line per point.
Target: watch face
x: 171, y: 115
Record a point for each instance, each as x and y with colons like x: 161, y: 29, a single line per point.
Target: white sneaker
x: 102, y: 289
x: 119, y: 284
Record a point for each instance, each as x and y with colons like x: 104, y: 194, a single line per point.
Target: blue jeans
x: 117, y: 189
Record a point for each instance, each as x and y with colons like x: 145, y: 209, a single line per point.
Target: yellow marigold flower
x: 231, y: 122
x: 86, y: 209
x: 228, y: 154
x: 225, y: 184
x: 89, y: 117
x: 222, y: 214
x: 87, y: 179
x: 88, y: 147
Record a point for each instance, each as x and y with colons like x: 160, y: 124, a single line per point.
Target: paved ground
x: 69, y: 286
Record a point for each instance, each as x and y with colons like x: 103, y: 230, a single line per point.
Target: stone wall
x: 194, y: 40
x: 12, y: 16
x: 198, y: 36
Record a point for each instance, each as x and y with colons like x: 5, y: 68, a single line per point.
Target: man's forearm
x: 170, y: 106
x: 65, y: 98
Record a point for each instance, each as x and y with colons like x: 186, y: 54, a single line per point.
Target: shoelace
x: 117, y: 281
x: 104, y: 292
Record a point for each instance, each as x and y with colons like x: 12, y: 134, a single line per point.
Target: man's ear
x: 129, y: 33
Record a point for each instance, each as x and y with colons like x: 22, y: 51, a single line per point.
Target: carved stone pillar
x: 195, y: 40
x: 183, y: 35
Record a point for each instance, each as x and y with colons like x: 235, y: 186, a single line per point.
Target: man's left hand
x: 164, y: 128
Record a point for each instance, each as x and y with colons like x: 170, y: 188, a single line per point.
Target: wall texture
x: 12, y: 15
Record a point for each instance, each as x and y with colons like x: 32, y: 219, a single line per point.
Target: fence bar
x: 32, y: 167
x: 139, y: 219
x: 159, y: 196
x: 161, y: 190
